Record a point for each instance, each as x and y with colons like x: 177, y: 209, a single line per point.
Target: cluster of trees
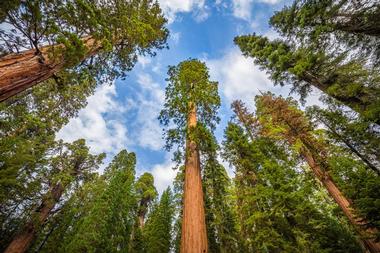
x: 305, y: 180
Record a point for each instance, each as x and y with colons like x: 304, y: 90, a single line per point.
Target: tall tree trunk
x: 22, y: 241
x: 194, y: 235
x: 19, y: 72
x: 359, y: 222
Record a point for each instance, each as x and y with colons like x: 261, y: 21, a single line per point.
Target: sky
x: 123, y: 114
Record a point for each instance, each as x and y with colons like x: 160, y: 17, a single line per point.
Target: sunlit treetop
x: 189, y: 85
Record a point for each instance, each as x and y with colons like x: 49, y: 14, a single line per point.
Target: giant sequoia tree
x: 348, y: 81
x: 191, y: 104
x: 44, y: 37
x: 282, y: 119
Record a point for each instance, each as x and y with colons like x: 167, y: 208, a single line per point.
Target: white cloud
x: 175, y: 36
x: 172, y: 7
x: 242, y: 9
x: 238, y: 76
x: 164, y: 175
x: 147, y: 103
x: 102, y: 134
x: 144, y: 60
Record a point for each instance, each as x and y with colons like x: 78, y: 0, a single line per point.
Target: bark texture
x: 19, y: 72
x: 194, y: 236
x: 344, y: 204
x: 22, y: 241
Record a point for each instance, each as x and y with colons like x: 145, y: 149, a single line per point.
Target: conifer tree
x: 70, y: 163
x: 220, y: 219
x: 61, y: 227
x: 353, y: 24
x: 348, y: 81
x: 273, y: 198
x: 191, y: 104
x: 281, y: 118
x: 107, y: 225
x: 48, y: 36
x: 346, y: 129
x: 159, y: 226
x: 146, y: 193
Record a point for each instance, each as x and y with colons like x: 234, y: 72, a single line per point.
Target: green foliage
x: 347, y: 80
x: 188, y: 86
x: 159, y: 226
x: 145, y: 193
x: 107, y: 225
x: 354, y: 24
x: 67, y: 164
x: 346, y: 170
x: 276, y: 204
x: 220, y: 219
x: 28, y: 128
x: 344, y: 128
x: 121, y: 29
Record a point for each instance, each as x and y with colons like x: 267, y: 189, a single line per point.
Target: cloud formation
x: 238, y: 76
x: 172, y: 7
x: 164, y: 174
x: 147, y: 104
x: 99, y: 123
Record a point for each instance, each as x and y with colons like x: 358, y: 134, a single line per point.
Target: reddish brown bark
x: 344, y: 204
x: 300, y: 129
x: 22, y: 241
x: 19, y: 72
x: 194, y: 236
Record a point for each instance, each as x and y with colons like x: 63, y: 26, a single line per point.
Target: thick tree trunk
x: 19, y: 72
x: 194, y: 235
x: 366, y: 234
x: 22, y: 241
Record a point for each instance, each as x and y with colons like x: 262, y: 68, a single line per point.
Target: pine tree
x: 276, y: 205
x: 60, y: 228
x: 191, y: 103
x: 348, y: 81
x: 107, y: 225
x: 281, y: 118
x: 220, y: 219
x: 346, y: 129
x: 105, y: 35
x: 70, y: 163
x: 353, y: 24
x: 159, y: 226
x: 146, y: 193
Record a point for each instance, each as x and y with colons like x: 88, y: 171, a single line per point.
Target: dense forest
x: 306, y: 178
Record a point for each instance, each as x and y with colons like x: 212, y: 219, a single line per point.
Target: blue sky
x: 123, y: 114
